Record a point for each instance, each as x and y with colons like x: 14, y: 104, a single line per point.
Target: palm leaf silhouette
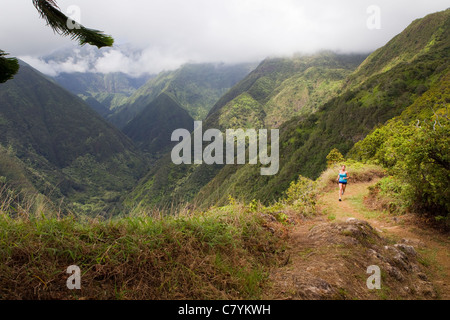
x: 8, y: 67
x: 58, y: 21
x: 61, y: 24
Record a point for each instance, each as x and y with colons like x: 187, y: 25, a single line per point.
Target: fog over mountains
x: 87, y: 59
x: 167, y: 34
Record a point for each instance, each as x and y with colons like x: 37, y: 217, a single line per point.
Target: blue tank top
x: 342, y: 177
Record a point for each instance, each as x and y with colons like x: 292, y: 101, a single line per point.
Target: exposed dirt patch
x: 330, y: 255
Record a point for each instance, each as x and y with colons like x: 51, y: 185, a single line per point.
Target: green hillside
x: 103, y: 92
x: 151, y: 131
x: 415, y: 149
x: 276, y: 89
x: 62, y: 147
x: 282, y: 88
x: 196, y: 87
x: 419, y: 38
x: 305, y: 141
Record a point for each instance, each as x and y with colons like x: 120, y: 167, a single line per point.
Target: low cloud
x: 54, y: 68
x: 148, y: 61
x: 171, y: 32
x: 133, y: 62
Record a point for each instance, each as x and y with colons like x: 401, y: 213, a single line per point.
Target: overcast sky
x: 172, y: 32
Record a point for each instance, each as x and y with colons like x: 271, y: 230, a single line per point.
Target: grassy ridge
x: 220, y: 254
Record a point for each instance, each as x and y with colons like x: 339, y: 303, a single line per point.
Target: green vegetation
x: 305, y: 141
x: 301, y: 196
x: 8, y: 67
x: 103, y: 92
x: 415, y: 153
x: 195, y: 87
x: 63, y: 149
x: 351, y: 107
x: 334, y: 157
x: 224, y: 253
x: 152, y: 130
x: 282, y: 88
x: 245, y: 106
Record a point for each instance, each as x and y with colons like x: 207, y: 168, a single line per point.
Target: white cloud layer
x: 171, y: 32
x: 54, y: 68
x: 125, y: 58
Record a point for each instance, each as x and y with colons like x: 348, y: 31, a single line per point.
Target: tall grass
x: 358, y: 172
x: 223, y: 253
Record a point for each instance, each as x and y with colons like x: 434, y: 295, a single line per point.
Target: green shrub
x: 335, y: 157
x: 302, y: 196
x: 391, y: 194
x: 418, y: 155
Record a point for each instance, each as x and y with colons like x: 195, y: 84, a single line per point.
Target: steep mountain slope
x: 275, y: 91
x: 94, y: 80
x: 103, y: 92
x: 414, y: 148
x: 13, y: 175
x: 419, y: 38
x: 152, y: 129
x: 67, y: 150
x: 383, y: 93
x: 196, y: 87
x: 282, y: 88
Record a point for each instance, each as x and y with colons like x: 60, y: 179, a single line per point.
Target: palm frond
x: 8, y: 67
x: 58, y: 21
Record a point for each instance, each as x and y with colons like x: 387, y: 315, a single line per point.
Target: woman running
x: 342, y: 178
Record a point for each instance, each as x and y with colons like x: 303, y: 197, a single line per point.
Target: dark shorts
x: 341, y: 182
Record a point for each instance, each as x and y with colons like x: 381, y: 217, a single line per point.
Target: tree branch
x: 8, y: 67
x: 59, y: 22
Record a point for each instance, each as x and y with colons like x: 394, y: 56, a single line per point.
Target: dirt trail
x: 309, y: 262
x: 434, y: 246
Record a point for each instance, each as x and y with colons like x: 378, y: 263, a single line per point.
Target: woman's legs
x: 340, y: 190
x: 343, y: 188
